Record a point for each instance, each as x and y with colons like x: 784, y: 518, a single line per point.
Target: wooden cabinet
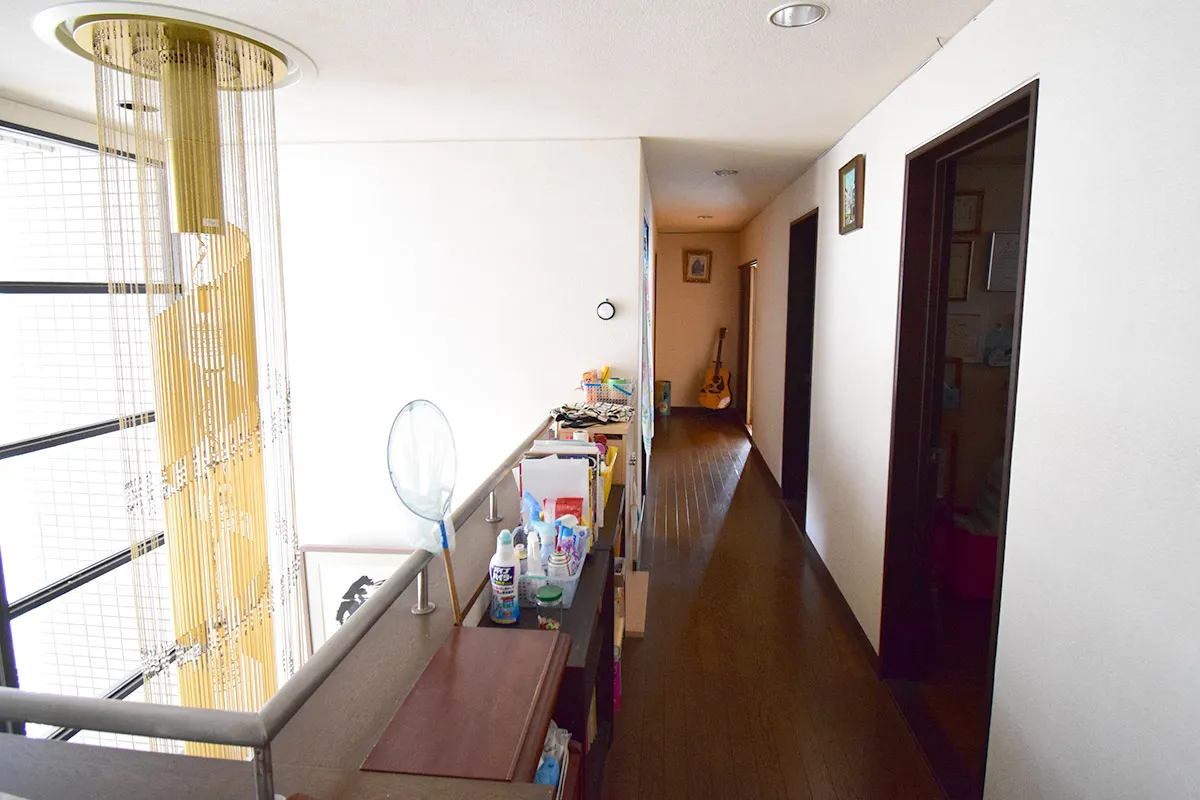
x: 589, y: 671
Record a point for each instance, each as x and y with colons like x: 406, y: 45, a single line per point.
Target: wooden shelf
x: 590, y: 624
x: 614, y: 520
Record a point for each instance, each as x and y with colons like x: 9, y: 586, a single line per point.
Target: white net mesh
x: 422, y: 463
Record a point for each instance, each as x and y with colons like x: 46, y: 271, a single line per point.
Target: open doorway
x: 797, y: 391
x: 957, y: 351
x: 743, y: 399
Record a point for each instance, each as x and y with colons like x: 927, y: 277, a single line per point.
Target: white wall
x: 464, y: 273
x: 1095, y: 690
x: 689, y: 314
x: 47, y: 121
x: 644, y: 419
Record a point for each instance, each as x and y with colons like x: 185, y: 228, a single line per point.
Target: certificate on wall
x: 968, y: 212
x: 1002, y: 263
x: 964, y: 337
x: 960, y: 270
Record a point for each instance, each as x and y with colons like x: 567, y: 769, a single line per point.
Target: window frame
x: 10, y: 610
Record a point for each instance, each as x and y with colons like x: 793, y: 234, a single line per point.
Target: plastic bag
x: 426, y: 535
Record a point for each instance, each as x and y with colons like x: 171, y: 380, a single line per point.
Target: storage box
x: 610, y: 472
x: 528, y: 586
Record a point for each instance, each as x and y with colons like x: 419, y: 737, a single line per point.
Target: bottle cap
x: 504, y: 538
x: 549, y: 593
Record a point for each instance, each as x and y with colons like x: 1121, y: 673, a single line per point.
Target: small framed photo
x: 338, y: 580
x: 697, y: 266
x: 852, y: 181
x: 960, y: 270
x: 968, y: 212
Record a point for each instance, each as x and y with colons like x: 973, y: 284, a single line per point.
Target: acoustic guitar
x: 715, y: 392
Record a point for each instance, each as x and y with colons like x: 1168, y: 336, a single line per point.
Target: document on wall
x: 1004, y: 261
x: 964, y: 337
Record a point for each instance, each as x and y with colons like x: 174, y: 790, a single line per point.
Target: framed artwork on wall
x: 964, y: 337
x: 338, y: 580
x: 968, y: 212
x: 852, y: 179
x: 697, y: 266
x: 1003, y: 260
x: 960, y: 270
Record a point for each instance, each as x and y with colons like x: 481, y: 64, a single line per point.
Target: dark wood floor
x: 957, y: 692
x: 748, y: 683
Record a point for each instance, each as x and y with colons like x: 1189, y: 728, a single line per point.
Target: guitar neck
x: 720, y: 349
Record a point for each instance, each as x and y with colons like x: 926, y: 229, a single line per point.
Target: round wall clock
x: 606, y: 310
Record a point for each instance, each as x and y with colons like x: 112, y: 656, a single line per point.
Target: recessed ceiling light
x: 704, y: 216
x: 798, y: 15
x: 724, y: 173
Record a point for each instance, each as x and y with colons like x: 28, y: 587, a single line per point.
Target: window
x: 68, y: 619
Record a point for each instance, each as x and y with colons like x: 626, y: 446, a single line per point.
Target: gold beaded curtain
x: 187, y: 138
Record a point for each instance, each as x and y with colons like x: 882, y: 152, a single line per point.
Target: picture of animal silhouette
x: 354, y: 597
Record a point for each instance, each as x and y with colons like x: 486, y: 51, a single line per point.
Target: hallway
x: 748, y: 683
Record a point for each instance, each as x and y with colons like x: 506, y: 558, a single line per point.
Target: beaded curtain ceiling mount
x: 186, y: 130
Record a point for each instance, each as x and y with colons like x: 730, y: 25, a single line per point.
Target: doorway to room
x: 958, y: 342
x: 797, y: 392
x: 747, y: 303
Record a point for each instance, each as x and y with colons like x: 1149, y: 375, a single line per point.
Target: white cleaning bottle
x: 534, y: 549
x: 505, y: 572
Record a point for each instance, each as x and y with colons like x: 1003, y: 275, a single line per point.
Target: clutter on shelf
x: 585, y: 415
x: 599, y: 387
x: 556, y: 548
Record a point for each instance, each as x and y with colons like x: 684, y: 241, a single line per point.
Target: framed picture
x: 968, y: 212
x: 852, y: 180
x: 1003, y: 260
x: 964, y: 337
x: 998, y: 347
x: 338, y: 580
x: 960, y: 270
x: 697, y: 266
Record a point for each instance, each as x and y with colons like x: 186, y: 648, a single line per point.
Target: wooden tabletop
x: 579, y: 621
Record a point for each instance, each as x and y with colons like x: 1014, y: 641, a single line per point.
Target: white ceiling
x: 709, y: 83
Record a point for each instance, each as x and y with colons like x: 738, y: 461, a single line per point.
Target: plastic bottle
x: 534, y: 549
x: 505, y: 573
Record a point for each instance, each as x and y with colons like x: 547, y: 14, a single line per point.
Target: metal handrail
x: 467, y: 507
x: 242, y: 728
x: 245, y: 728
x: 284, y: 704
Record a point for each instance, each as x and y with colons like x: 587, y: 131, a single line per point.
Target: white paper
x: 557, y: 477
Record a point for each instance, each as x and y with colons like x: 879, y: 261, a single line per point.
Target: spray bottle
x: 505, y: 572
x: 539, y: 528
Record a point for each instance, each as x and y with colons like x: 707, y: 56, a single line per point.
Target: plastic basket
x: 528, y: 587
x: 619, y: 393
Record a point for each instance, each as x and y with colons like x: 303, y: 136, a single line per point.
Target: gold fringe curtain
x: 188, y: 171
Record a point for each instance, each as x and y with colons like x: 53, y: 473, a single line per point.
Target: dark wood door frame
x: 906, y: 637
x: 797, y: 387
x: 741, y: 378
